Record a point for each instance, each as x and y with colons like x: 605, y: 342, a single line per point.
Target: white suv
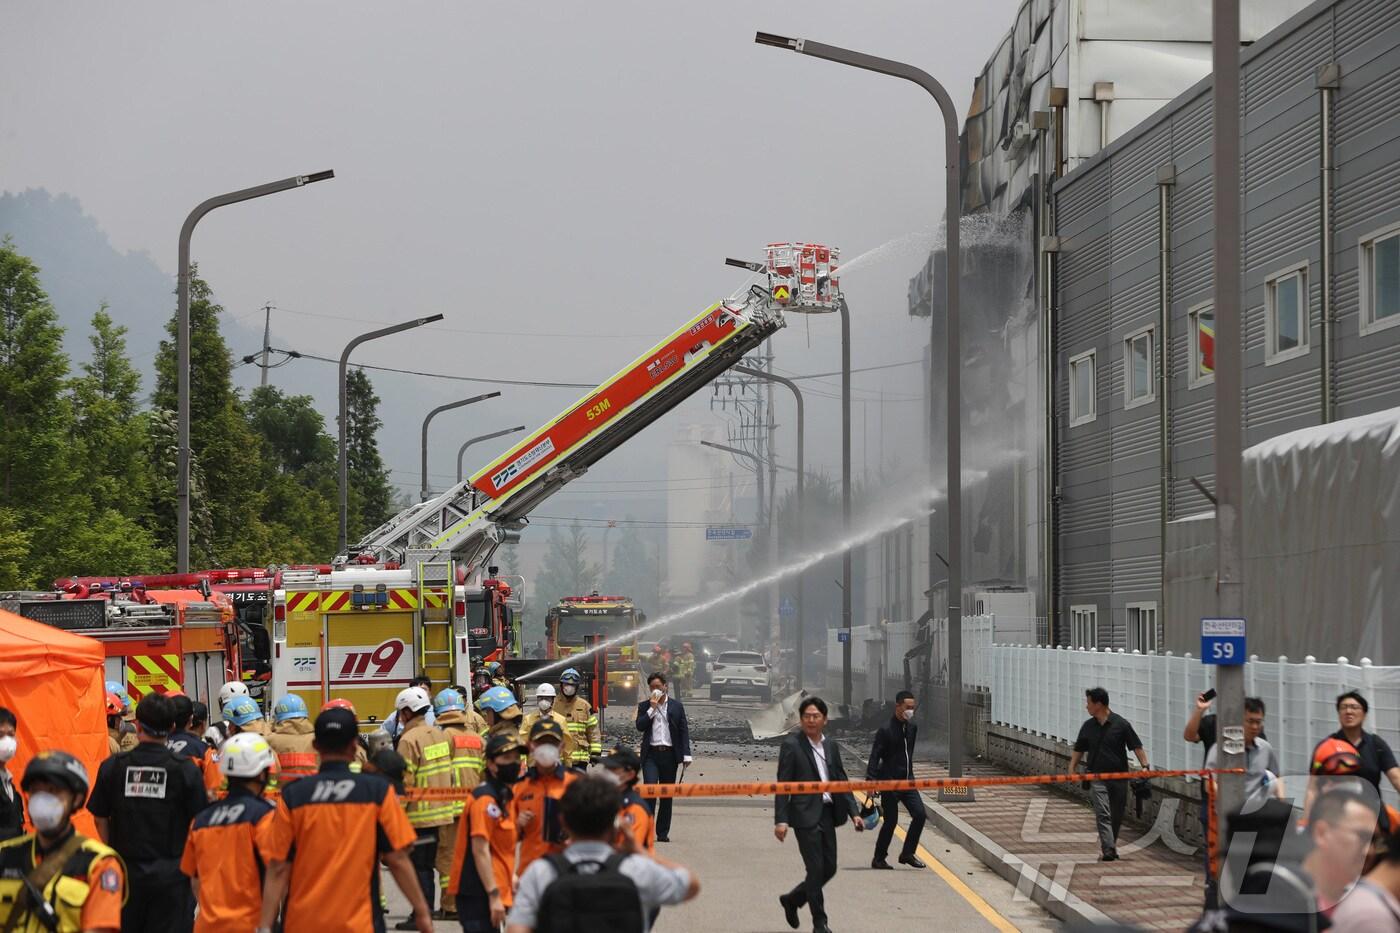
x: 740, y: 672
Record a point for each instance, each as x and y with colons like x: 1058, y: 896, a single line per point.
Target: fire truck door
x: 368, y: 660
x: 205, y: 673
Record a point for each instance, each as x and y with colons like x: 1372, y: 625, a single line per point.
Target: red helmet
x: 1335, y: 756
x: 114, y: 705
x: 338, y: 704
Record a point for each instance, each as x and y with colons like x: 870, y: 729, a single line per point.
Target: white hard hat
x: 545, y: 690
x: 234, y: 688
x: 245, y: 755
x: 413, y: 699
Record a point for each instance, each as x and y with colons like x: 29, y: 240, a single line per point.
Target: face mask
x: 570, y: 690
x: 508, y: 774
x: 46, y: 811
x: 545, y: 704
x: 610, y: 776
x: 8, y: 747
x: 546, y: 756
x: 908, y: 715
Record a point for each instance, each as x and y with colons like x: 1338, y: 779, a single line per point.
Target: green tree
x: 14, y: 552
x: 372, y: 500
x: 299, y: 475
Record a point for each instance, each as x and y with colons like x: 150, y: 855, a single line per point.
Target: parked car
x: 743, y: 672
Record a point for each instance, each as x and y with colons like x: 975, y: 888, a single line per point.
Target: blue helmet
x: 447, y: 700
x: 112, y: 686
x: 571, y: 676
x: 493, y: 667
x: 242, y: 710
x: 497, y: 699
x: 869, y: 813
x: 290, y: 706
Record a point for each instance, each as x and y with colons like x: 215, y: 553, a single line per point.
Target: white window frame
x: 1272, y: 354
x: 1135, y: 630
x: 1084, y: 618
x: 1150, y: 332
x: 1194, y: 379
x: 1364, y: 259
x: 1077, y: 417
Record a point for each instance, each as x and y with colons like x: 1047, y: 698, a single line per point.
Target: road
x: 729, y: 843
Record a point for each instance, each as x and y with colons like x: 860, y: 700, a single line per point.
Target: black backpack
x: 599, y: 899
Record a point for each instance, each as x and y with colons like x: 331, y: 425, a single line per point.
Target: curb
x: 1028, y: 880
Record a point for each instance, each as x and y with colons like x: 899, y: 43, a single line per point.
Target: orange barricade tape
x: 771, y: 788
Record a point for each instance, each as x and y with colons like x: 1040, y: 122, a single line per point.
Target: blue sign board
x: 787, y: 607
x: 716, y: 533
x: 843, y: 637
x: 1222, y: 641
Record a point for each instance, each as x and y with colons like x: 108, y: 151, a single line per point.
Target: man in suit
x: 665, y: 744
x: 807, y: 755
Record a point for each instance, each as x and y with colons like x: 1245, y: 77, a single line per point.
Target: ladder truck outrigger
x: 419, y: 593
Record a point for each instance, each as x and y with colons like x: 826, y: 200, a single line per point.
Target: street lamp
x: 478, y: 439
x: 801, y: 477
x: 344, y: 477
x: 423, y: 486
x: 182, y: 340
x: 953, y: 220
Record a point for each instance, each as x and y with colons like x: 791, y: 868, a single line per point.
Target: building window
x: 1380, y: 279
x: 1138, y: 384
x: 1286, y: 316
x: 1202, y: 337
x: 1142, y: 627
x: 1082, y: 408
x: 1083, y: 626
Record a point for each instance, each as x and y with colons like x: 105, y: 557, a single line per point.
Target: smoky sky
x: 563, y: 181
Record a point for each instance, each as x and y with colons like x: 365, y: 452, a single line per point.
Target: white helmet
x: 413, y: 699
x: 545, y: 691
x: 245, y: 755
x: 234, y: 688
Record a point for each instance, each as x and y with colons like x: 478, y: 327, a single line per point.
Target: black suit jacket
x: 797, y: 762
x: 11, y: 813
x: 675, y: 716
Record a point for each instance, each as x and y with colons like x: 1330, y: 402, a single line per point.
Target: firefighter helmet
x: 493, y: 667
x: 1335, y: 756
x: 245, y: 755
x: 114, y: 704
x: 497, y: 699
x: 242, y: 710
x: 338, y: 703
x: 234, y: 688
x: 447, y: 700
x: 545, y: 691
x: 57, y: 768
x: 290, y: 706
x: 412, y: 699
x: 571, y: 676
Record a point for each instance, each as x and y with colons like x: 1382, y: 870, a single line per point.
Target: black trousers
x: 818, y: 847
x: 474, y: 914
x: 423, y: 855
x: 889, y: 805
x: 164, y: 906
x: 660, y: 767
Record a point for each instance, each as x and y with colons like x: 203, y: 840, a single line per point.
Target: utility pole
x: 774, y: 620
x: 267, y: 340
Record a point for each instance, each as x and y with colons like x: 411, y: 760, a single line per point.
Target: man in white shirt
x: 665, y: 744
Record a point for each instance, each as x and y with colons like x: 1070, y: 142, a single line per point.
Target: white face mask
x: 908, y: 715
x: 570, y: 690
x: 546, y: 756
x: 46, y: 811
x: 8, y: 747
x: 544, y: 703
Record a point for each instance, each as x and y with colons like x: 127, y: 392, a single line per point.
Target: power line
x: 462, y: 330
x: 417, y: 372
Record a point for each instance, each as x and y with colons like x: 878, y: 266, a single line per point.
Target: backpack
x: 600, y: 900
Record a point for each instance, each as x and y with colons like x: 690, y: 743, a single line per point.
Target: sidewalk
x: 1044, y: 842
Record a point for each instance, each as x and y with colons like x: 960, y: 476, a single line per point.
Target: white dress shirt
x: 819, y: 752
x: 660, y: 724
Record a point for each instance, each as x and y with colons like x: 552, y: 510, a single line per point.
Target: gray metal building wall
x: 1107, y: 287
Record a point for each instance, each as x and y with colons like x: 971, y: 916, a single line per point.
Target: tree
x: 372, y: 500
x: 566, y: 569
x: 14, y: 552
x: 298, y: 463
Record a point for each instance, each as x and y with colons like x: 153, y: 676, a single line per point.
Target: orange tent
x: 52, y: 681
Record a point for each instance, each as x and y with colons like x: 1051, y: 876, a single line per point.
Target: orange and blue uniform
x: 539, y: 793
x: 488, y: 816
x: 226, y: 854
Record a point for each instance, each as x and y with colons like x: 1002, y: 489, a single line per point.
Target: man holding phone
x: 665, y: 744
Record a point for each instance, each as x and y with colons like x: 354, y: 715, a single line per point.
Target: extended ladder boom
x: 469, y: 520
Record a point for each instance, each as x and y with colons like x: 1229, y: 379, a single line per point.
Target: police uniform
x: 487, y: 816
x: 226, y: 851
x: 568, y: 752
x: 538, y: 793
x: 292, y: 741
x: 581, y: 725
x: 427, y: 755
x: 149, y: 795
x: 86, y: 893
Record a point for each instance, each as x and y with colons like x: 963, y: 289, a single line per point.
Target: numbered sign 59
x: 1222, y: 641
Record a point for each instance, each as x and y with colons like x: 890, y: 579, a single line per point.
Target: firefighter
x: 144, y: 801
x: 234, y: 688
x: 475, y: 722
x: 226, y: 851
x: 658, y: 660
x: 183, y: 740
x: 293, y: 740
x: 361, y: 753
x: 501, y: 712
x: 541, y: 832
x: 427, y: 753
x: 126, y: 725
x: 91, y: 873
x: 545, y: 698
x: 580, y: 720
x: 685, y: 669
x: 244, y: 715
x: 467, y: 763
x: 636, y: 817
x: 483, y: 859
x: 497, y: 673
x: 114, y: 724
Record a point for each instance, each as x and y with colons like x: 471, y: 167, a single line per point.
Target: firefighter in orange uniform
x: 292, y: 740
x: 467, y: 763
x: 637, y: 821
x: 483, y: 858
x: 535, y: 804
x: 226, y: 850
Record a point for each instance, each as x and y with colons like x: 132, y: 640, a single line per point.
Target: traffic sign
x: 726, y: 533
x: 787, y: 607
x: 1222, y: 641
x: 843, y: 637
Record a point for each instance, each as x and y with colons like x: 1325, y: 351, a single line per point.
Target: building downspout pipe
x: 1329, y: 78
x: 1166, y: 179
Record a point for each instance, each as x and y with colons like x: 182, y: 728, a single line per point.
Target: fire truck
x: 419, y: 592
x: 156, y: 641
x: 569, y: 622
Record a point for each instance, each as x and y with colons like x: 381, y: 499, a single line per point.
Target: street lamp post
x: 423, y: 486
x: 953, y: 220
x: 478, y: 439
x: 801, y: 479
x: 182, y: 340
x: 344, y: 474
